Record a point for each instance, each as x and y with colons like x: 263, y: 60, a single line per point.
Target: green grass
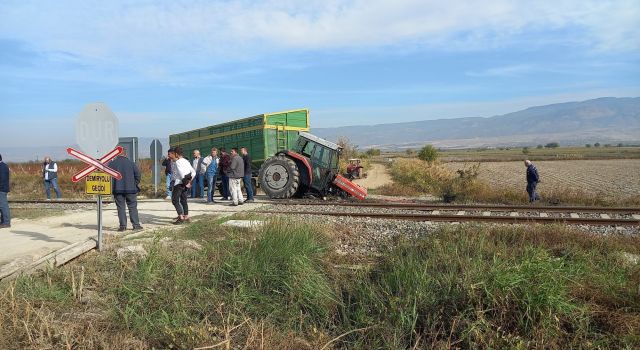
x: 463, y: 286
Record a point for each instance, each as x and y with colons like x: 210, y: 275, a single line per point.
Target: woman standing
x: 182, y: 173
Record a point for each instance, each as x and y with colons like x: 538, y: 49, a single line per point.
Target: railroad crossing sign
x: 98, y: 183
x: 96, y: 129
x: 95, y: 163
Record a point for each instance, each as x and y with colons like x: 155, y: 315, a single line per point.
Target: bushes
x: 423, y: 176
x: 282, y: 275
x: 428, y: 153
x: 489, y: 288
x: 434, y: 178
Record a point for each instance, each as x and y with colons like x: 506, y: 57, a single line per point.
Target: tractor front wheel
x: 279, y: 177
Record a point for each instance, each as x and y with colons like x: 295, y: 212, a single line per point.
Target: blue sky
x: 169, y: 66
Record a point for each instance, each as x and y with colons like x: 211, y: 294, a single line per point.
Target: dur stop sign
x: 97, y: 130
x: 97, y: 136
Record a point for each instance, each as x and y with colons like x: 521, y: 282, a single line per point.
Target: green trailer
x: 263, y: 135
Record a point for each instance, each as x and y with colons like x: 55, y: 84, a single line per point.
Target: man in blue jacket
x: 532, y: 181
x: 5, y: 214
x: 126, y: 191
x: 211, y: 164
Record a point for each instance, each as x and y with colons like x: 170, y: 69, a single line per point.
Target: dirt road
x: 376, y: 176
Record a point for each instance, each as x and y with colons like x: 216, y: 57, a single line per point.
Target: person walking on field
x: 50, y: 175
x: 166, y: 163
x: 225, y: 162
x: 532, y: 181
x: 211, y: 163
x: 236, y: 173
x: 198, y: 180
x: 183, y: 173
x: 5, y: 213
x: 246, y: 158
x: 125, y: 191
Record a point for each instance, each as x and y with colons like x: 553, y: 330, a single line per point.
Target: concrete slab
x: 544, y: 215
x: 28, y: 240
x: 574, y: 215
x: 244, y: 223
x: 486, y: 213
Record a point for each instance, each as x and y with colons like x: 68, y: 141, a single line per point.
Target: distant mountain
x: 606, y: 119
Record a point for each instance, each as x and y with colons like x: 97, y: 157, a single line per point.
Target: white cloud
x: 504, y: 71
x: 198, y: 31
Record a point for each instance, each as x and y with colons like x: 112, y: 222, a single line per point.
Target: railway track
x: 438, y: 212
x: 471, y: 218
x: 510, y: 214
x: 473, y: 207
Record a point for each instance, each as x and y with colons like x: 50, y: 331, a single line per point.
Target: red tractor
x: 309, y: 169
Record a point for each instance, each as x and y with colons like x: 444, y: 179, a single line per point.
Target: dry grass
x: 27, y: 183
x: 30, y: 213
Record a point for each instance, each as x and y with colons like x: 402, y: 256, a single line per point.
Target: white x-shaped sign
x: 95, y: 163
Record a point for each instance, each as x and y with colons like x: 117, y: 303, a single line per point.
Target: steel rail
x: 53, y: 201
x: 479, y: 207
x: 471, y: 218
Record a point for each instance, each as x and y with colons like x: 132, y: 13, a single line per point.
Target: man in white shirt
x: 183, y: 174
x: 50, y: 175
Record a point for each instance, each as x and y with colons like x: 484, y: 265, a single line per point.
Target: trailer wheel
x: 279, y: 177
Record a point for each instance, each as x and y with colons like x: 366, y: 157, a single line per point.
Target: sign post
x: 156, y: 152
x: 97, y: 136
x: 98, y: 183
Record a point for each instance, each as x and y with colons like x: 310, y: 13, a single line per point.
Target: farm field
x: 614, y: 178
x: 560, y: 153
x: 533, y: 153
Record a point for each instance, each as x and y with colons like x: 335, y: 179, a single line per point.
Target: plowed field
x: 605, y: 178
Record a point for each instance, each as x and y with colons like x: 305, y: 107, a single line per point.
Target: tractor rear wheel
x: 279, y: 177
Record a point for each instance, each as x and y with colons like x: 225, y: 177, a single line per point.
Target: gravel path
x: 364, y: 236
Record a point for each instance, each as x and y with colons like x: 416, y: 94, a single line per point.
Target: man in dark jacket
x: 532, y: 181
x: 225, y: 162
x: 166, y: 163
x: 5, y: 213
x: 126, y: 190
x: 235, y: 174
x: 247, y: 174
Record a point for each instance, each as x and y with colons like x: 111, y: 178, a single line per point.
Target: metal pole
x: 99, y: 223
x: 155, y: 175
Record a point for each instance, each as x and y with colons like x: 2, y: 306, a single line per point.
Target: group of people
x: 184, y: 178
x: 187, y: 179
